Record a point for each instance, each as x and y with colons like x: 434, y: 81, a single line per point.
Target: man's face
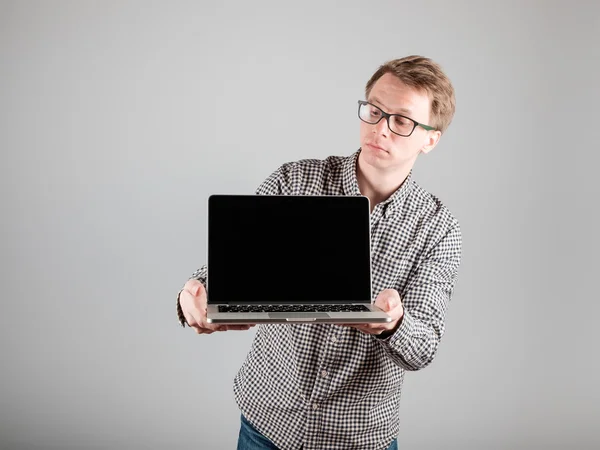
x: 385, y: 150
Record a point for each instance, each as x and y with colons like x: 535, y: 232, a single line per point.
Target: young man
x: 318, y: 386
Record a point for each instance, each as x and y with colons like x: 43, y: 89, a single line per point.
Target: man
x: 316, y: 386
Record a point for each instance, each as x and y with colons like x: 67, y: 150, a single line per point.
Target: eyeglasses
x: 397, y: 123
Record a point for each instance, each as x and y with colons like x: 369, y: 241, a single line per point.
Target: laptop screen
x: 288, y: 249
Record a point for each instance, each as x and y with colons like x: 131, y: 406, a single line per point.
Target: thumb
x: 390, y: 300
x: 194, y: 287
x: 197, y: 289
x: 201, y: 295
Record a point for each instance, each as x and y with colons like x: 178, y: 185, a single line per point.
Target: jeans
x: 251, y: 439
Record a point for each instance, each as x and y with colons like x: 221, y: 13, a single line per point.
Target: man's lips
x: 376, y: 147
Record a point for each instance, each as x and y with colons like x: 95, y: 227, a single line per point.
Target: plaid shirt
x: 324, y: 386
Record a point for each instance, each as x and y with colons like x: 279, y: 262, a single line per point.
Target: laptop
x: 289, y: 259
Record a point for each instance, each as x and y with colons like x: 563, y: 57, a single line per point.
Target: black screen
x: 288, y: 249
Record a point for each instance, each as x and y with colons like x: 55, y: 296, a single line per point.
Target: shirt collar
x: 349, y: 181
x: 350, y: 184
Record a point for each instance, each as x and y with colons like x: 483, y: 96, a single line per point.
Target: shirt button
x: 334, y: 339
x: 315, y: 406
x: 324, y: 374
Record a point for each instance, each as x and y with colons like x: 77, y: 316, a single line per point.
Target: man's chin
x: 376, y: 158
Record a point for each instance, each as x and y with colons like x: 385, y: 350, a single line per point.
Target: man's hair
x: 424, y: 75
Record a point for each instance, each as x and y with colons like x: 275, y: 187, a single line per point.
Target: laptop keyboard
x: 291, y: 308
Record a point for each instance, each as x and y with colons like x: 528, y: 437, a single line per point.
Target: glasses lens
x: 369, y: 113
x: 398, y: 124
x: 401, y: 125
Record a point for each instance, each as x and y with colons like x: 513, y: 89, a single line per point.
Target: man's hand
x: 389, y: 301
x: 193, y: 304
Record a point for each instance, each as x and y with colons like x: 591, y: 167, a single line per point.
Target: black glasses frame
x: 387, y: 118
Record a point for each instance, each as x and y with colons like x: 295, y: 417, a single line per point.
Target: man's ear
x: 431, y: 141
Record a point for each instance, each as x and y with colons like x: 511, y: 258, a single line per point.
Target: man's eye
x: 375, y: 113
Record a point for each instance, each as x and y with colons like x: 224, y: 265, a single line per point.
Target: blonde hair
x: 423, y: 74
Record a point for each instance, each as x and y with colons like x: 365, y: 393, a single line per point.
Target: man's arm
x: 413, y: 345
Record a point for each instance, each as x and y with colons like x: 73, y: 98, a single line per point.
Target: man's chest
x: 395, y: 242
x: 393, y: 253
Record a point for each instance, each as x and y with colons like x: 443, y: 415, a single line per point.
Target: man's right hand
x: 193, y: 304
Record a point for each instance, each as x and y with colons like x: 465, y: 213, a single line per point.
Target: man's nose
x: 382, y: 127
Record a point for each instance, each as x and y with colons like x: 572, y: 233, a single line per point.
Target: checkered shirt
x: 324, y: 386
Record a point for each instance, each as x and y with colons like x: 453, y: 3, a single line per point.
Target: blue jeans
x: 252, y: 439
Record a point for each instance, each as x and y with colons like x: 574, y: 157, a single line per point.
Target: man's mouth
x: 376, y: 147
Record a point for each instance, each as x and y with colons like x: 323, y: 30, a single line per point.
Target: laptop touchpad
x: 298, y: 315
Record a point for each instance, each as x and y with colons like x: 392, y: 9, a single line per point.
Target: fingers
x: 239, y: 327
x: 365, y: 327
x: 200, y: 330
x: 369, y: 329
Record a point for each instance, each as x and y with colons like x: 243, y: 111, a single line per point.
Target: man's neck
x: 378, y: 186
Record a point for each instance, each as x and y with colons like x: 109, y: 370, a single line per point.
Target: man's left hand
x: 389, y: 301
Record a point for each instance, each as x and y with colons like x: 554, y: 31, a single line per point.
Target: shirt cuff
x: 400, y: 338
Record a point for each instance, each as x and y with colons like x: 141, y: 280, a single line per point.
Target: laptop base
x: 374, y: 315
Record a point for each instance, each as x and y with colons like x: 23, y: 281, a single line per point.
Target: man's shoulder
x: 432, y: 207
x: 309, y: 176
x: 312, y: 176
x: 328, y: 163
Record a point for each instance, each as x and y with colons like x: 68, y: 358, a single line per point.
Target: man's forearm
x: 413, y: 345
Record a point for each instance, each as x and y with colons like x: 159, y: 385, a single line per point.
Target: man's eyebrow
x: 399, y: 111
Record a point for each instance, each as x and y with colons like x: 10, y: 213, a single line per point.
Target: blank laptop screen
x: 288, y: 249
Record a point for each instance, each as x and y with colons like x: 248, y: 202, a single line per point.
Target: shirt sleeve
x: 280, y: 182
x: 414, y: 344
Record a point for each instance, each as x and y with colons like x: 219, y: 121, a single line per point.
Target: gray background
x: 118, y: 119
